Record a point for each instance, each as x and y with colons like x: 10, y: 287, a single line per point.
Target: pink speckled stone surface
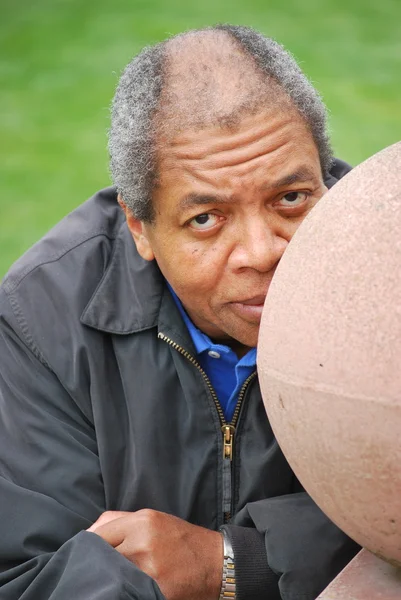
x: 365, y: 578
x: 329, y: 353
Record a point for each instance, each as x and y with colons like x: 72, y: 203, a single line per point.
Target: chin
x: 238, y: 332
x: 247, y: 339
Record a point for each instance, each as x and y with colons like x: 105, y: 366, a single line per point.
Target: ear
x: 138, y: 231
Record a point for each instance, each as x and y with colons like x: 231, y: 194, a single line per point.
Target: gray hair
x: 134, y: 128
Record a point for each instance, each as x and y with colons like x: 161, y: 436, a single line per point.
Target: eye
x: 203, y: 221
x: 293, y: 199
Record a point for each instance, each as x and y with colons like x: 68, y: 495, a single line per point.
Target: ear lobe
x: 138, y: 232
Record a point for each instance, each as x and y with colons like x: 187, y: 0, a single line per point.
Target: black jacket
x: 103, y: 408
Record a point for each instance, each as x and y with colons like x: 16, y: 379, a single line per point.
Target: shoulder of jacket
x: 97, y: 218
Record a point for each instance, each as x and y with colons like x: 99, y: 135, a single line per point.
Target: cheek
x: 191, y: 268
x: 292, y: 226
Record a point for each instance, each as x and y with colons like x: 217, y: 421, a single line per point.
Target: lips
x: 258, y: 299
x: 255, y: 301
x: 249, y: 309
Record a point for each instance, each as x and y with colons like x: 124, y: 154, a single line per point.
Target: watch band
x: 228, y: 583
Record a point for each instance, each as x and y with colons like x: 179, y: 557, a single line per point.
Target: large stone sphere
x: 329, y: 354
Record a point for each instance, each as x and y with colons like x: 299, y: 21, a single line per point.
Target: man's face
x: 226, y: 206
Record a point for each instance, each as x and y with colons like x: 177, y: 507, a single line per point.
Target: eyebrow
x: 301, y: 175
x: 202, y: 199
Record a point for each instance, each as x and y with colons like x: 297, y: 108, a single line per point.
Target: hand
x: 185, y: 560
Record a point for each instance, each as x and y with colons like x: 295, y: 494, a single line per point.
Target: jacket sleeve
x: 51, y: 487
x: 286, y: 548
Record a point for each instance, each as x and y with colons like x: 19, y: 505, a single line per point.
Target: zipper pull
x: 228, y: 441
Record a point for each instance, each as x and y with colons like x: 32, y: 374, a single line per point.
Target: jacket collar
x: 132, y: 296
x: 128, y: 297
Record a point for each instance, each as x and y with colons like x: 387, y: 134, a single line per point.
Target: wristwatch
x: 228, y: 583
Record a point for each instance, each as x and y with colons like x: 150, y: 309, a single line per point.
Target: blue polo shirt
x: 226, y: 372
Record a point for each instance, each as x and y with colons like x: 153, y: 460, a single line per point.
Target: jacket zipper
x: 227, y: 429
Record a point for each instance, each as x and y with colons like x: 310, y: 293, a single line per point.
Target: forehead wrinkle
x: 233, y: 158
x: 267, y: 164
x: 269, y: 145
x: 182, y: 146
x: 268, y: 158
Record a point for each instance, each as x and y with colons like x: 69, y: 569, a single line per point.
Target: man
x: 136, y: 457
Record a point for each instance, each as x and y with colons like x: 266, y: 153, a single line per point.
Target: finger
x: 107, y: 517
x: 113, y: 532
x: 125, y: 549
x: 133, y: 551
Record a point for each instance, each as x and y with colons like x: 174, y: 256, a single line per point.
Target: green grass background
x: 60, y: 61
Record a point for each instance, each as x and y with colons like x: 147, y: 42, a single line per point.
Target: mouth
x: 255, y: 301
x: 250, y: 309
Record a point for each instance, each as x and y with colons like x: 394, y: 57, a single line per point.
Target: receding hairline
x: 217, y: 89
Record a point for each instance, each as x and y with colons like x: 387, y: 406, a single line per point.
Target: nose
x: 259, y: 246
